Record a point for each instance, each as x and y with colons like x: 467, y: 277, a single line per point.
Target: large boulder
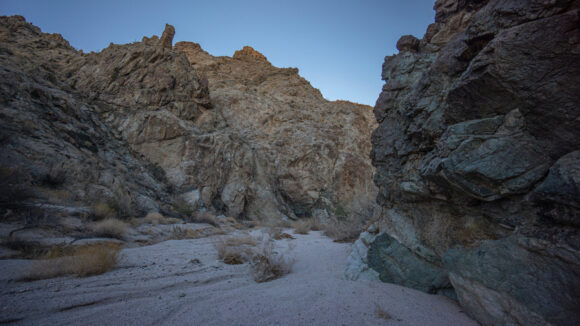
x: 477, y: 160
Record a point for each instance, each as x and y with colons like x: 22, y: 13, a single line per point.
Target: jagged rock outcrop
x: 232, y: 134
x: 57, y: 156
x: 477, y: 162
x: 308, y: 154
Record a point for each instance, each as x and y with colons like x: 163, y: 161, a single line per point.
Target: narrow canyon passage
x: 182, y: 282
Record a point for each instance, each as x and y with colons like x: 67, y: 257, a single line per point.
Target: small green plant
x: 339, y: 211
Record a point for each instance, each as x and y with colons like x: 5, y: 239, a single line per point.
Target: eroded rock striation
x: 236, y: 135
x: 477, y: 158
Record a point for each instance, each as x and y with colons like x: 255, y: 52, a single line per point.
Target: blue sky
x: 339, y: 46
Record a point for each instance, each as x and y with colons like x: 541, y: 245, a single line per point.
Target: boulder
x: 476, y: 157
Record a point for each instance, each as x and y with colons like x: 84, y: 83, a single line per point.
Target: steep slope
x: 57, y: 157
x: 477, y: 155
x: 235, y: 135
x: 311, y: 155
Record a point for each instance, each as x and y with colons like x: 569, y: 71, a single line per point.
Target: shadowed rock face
x: 477, y: 160
x: 233, y: 134
x: 57, y: 155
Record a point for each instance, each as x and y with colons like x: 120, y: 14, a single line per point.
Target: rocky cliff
x: 57, y: 156
x: 310, y: 156
x: 146, y: 123
x: 477, y: 155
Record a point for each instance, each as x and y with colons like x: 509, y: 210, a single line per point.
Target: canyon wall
x: 234, y: 135
x: 477, y: 155
x: 57, y: 156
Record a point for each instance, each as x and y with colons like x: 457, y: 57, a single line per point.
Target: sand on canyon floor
x: 182, y: 282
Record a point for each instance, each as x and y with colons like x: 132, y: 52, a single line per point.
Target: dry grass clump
x: 344, y: 231
x: 302, y: 226
x: 235, y: 250
x: 276, y: 233
x: 80, y: 261
x: 179, y: 233
x: 268, y: 264
x: 379, y: 312
x: 56, y: 195
x: 205, y: 217
x: 155, y: 218
x: 231, y: 220
x: 316, y: 225
x: 109, y: 228
x: 95, y: 259
x: 282, y: 235
x: 103, y: 211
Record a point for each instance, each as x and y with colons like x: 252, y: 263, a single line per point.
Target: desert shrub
x: 316, y: 224
x: 348, y: 227
x: 156, y: 218
x: 180, y: 233
x: 267, y: 264
x: 276, y: 233
x: 282, y: 235
x: 182, y: 207
x: 121, y: 205
x: 235, y: 250
x: 95, y: 259
x: 80, y: 261
x: 344, y: 231
x: 109, y: 228
x: 205, y: 217
x: 381, y: 313
x: 103, y: 210
x: 340, y: 211
x: 302, y: 226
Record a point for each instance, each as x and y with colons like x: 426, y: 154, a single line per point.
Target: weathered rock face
x: 477, y: 161
x: 307, y: 154
x: 56, y: 154
x: 233, y: 134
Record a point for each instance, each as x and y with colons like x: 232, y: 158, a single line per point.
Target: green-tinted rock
x: 395, y: 263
